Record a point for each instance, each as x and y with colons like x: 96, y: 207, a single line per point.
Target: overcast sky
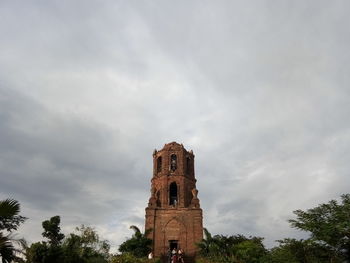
x: 258, y: 89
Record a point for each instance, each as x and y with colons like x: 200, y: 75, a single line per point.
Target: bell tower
x: 173, y: 210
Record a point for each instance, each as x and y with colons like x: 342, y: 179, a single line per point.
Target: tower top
x: 173, y: 160
x: 173, y: 146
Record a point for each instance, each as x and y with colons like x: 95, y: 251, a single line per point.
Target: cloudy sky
x: 258, y: 89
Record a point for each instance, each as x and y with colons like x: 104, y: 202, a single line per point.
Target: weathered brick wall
x: 181, y: 222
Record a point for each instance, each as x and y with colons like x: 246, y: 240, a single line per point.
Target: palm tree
x: 8, y: 252
x: 138, y: 233
x: 139, y: 244
x: 9, y: 220
x: 6, y: 249
x: 206, y: 243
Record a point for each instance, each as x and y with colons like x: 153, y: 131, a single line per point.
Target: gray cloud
x: 258, y: 90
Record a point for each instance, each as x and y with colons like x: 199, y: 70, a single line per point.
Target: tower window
x: 158, y: 199
x: 173, y: 162
x: 173, y: 194
x: 159, y: 164
x: 188, y: 165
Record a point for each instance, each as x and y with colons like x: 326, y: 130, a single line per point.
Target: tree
x: 51, y: 251
x: 291, y: 250
x: 139, y: 244
x: 85, y: 246
x: 236, y: 248
x: 7, y: 249
x: 37, y: 252
x: 52, y: 230
x: 280, y: 254
x: 43, y: 252
x: 9, y: 215
x: 9, y: 221
x: 329, y: 225
x: 206, y: 243
x: 250, y: 251
x: 129, y: 258
x: 218, y: 247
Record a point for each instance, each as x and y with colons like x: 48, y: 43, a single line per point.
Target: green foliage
x: 83, y: 246
x: 6, y: 249
x: 288, y: 251
x: 9, y: 218
x: 237, y: 248
x: 251, y: 251
x: 42, y: 252
x: 202, y: 259
x: 9, y: 221
x: 292, y: 250
x: 37, y: 252
x: 280, y: 254
x: 52, y: 230
x: 48, y: 252
x: 328, y: 224
x: 130, y: 258
x: 139, y: 245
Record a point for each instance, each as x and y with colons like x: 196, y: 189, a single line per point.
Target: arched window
x: 188, y: 165
x: 173, y: 162
x: 173, y: 194
x: 159, y: 164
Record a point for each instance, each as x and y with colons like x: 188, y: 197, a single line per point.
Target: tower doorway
x: 173, y: 244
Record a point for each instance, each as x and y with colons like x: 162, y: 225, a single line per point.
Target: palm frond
x: 7, y: 250
x: 137, y: 231
x: 135, y: 228
x: 9, y: 207
x: 207, y: 234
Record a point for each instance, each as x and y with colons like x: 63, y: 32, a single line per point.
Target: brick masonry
x: 173, y: 210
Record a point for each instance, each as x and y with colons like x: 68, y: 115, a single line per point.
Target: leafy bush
x: 130, y: 258
x: 139, y: 245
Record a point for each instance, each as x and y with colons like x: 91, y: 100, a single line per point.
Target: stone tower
x: 173, y: 211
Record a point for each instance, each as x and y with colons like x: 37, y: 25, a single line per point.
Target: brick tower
x: 173, y: 211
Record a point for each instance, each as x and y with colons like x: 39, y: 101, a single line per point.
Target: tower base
x: 179, y: 228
